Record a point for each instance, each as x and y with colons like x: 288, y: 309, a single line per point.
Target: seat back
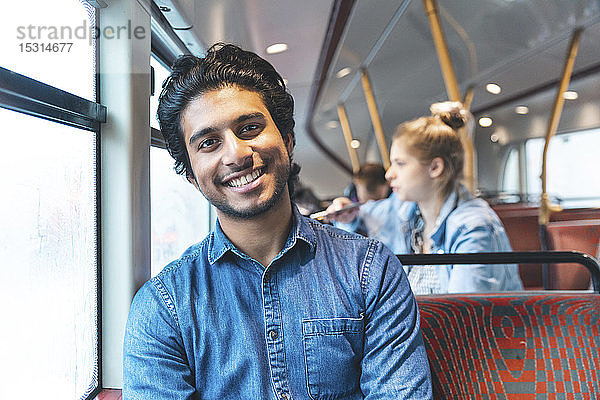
x: 581, y: 235
x: 520, y: 221
x: 521, y: 224
x: 513, y: 346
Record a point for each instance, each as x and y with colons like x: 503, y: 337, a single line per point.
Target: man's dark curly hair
x: 224, y: 65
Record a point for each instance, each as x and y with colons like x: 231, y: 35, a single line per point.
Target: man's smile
x: 246, y: 178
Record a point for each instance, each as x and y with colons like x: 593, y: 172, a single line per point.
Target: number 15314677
x: 36, y: 47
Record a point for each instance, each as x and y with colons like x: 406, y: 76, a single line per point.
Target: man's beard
x: 282, y: 174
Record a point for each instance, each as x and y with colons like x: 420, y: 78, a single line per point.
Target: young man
x: 271, y: 305
x: 370, y: 183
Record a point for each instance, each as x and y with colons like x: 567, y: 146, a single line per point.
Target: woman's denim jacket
x: 465, y: 225
x: 332, y: 317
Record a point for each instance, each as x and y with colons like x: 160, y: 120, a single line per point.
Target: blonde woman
x: 430, y: 211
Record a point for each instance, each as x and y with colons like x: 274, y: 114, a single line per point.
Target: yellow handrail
x: 348, y: 137
x: 452, y: 89
x: 546, y: 208
x: 366, y: 84
x: 442, y: 50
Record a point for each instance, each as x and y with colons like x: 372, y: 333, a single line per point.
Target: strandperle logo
x: 83, y: 31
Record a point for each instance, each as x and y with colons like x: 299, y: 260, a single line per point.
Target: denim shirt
x: 465, y: 225
x: 332, y: 316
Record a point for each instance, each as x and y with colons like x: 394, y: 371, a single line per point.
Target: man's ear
x: 436, y: 167
x: 289, y: 143
x: 192, y: 179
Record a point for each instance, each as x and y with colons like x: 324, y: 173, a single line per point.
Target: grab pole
x: 348, y: 137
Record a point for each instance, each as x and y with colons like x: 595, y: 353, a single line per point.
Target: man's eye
x: 250, y: 128
x: 207, y: 143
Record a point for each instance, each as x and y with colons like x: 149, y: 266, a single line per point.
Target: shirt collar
x: 302, y: 230
x: 408, y: 212
x: 219, y: 244
x: 459, y: 195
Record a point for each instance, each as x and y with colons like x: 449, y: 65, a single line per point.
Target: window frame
x: 26, y: 95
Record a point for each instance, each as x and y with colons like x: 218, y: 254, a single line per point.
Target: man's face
x: 239, y: 159
x: 381, y: 192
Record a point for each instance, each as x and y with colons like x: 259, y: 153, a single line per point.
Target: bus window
x: 49, y: 344
x: 161, y: 72
x: 48, y: 278
x: 510, y: 176
x: 179, y: 213
x: 52, y: 42
x: 569, y: 152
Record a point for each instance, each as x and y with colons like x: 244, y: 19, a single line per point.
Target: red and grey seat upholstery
x: 521, y: 345
x: 541, y: 346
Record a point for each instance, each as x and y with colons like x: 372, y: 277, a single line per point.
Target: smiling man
x: 270, y: 305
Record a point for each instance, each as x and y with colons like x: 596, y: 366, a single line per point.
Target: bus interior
x: 98, y: 211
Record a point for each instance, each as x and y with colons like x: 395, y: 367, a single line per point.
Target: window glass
x: 52, y: 42
x: 533, y: 155
x: 572, y: 170
x: 48, y: 268
x: 510, y: 178
x: 180, y: 214
x: 160, y: 74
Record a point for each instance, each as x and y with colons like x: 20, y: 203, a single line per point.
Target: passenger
x: 431, y: 212
x: 305, y: 199
x: 270, y: 305
x: 370, y: 183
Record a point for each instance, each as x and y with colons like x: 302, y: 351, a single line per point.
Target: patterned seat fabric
x: 513, y: 346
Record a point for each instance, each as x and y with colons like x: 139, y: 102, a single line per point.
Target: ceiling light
x: 485, y: 121
x: 493, y: 88
x: 332, y: 124
x: 494, y: 138
x: 521, y: 110
x: 277, y: 48
x: 355, y: 144
x: 570, y: 95
x: 343, y: 72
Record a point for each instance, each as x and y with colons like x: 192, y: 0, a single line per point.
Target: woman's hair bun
x: 452, y: 113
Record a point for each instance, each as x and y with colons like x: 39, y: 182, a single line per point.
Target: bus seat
x: 576, y: 214
x: 583, y: 236
x: 521, y: 224
x: 526, y: 346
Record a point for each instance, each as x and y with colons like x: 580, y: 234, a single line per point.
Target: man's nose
x: 237, y: 152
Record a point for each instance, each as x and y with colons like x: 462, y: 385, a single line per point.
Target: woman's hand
x: 342, y: 210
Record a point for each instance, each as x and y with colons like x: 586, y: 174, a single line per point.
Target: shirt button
x: 273, y: 334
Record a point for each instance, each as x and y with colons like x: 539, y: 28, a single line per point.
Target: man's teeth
x: 244, y: 180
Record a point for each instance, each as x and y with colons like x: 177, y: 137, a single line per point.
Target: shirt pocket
x: 333, y: 353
